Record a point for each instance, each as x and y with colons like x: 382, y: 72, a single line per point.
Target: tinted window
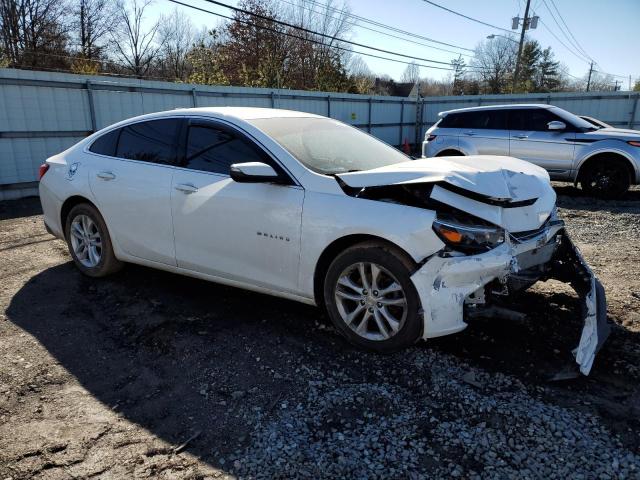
x: 106, y: 144
x: 153, y: 141
x: 214, y: 150
x: 485, y: 119
x: 450, y: 121
x: 535, y: 119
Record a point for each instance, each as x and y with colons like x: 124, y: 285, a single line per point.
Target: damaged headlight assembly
x: 470, y: 239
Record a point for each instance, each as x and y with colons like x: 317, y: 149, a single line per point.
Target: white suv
x: 605, y: 161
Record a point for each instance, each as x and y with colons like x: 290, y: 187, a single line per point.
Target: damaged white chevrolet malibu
x: 310, y: 209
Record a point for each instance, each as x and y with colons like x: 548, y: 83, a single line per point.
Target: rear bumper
x: 446, y: 283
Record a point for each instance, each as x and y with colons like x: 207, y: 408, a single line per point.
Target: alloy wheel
x: 371, y: 301
x: 86, y: 241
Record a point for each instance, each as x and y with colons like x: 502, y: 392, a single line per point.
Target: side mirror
x: 253, y: 172
x: 556, y: 125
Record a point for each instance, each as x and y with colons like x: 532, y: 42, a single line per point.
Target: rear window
x: 106, y: 144
x: 153, y: 141
x: 479, y: 120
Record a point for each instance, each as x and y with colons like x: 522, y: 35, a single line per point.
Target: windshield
x: 574, y: 120
x: 328, y: 146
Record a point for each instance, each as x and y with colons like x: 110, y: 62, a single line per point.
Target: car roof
x: 238, y: 113
x: 496, y: 107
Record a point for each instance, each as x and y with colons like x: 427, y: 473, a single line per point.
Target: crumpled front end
x: 449, y: 281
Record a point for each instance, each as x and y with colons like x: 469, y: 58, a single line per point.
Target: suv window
x: 532, y: 119
x: 153, y: 141
x: 485, y: 119
x: 106, y: 144
x: 480, y: 119
x: 213, y: 149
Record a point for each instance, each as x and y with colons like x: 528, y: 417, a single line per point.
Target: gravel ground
x: 152, y: 375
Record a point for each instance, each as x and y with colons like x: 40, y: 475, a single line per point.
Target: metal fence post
x: 369, y: 118
x: 401, y: 122
x: 632, y: 117
x: 92, y: 110
x: 194, y: 97
x: 273, y: 99
x: 329, y: 106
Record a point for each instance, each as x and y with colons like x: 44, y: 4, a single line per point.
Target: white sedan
x: 308, y: 208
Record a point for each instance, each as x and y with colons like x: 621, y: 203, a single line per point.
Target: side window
x: 211, y: 149
x: 534, y: 119
x: 106, y: 144
x: 485, y: 119
x: 450, y: 121
x: 153, y: 141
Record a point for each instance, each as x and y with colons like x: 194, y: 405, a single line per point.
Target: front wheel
x: 606, y: 179
x: 371, y: 299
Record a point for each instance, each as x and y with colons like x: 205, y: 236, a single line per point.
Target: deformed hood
x: 500, y: 178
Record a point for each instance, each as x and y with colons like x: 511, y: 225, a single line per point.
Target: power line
x: 562, y: 30
x: 306, y: 39
x: 466, y: 16
x: 576, y: 43
x: 580, y: 57
x: 320, y: 34
x: 389, y: 27
x: 382, y: 25
x: 357, y: 25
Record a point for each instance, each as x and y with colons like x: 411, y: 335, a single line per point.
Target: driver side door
x: 530, y: 139
x: 246, y: 232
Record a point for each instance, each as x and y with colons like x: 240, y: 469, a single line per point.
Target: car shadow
x: 180, y: 356
x: 172, y: 354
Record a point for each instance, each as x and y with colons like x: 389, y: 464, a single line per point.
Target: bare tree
x: 494, y: 62
x: 134, y: 45
x: 411, y: 74
x: 177, y: 37
x: 32, y: 32
x: 91, y: 21
x: 361, y: 75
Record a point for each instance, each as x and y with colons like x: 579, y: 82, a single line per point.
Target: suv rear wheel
x: 606, y: 178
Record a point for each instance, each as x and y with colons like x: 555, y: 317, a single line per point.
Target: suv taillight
x: 42, y: 170
x: 431, y: 138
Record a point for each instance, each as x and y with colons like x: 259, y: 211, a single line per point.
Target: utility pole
x: 615, y: 89
x: 525, y: 22
x: 589, y: 79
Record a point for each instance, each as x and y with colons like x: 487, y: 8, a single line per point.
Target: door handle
x: 186, y: 188
x: 106, y: 176
x: 469, y: 133
x: 521, y: 137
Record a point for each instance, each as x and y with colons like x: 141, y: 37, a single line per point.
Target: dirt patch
x: 111, y: 378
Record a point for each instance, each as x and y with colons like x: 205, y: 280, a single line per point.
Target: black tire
x: 394, y: 264
x: 605, y: 178
x: 108, y: 263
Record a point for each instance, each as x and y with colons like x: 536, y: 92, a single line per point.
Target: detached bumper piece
x: 569, y: 266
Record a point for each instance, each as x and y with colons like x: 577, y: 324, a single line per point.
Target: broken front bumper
x: 446, y: 283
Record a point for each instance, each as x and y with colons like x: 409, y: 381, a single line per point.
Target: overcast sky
x: 606, y: 31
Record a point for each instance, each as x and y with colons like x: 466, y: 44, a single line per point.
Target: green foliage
x: 636, y: 87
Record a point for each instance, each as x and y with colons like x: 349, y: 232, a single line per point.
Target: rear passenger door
x: 484, y: 132
x: 130, y: 174
x: 531, y: 140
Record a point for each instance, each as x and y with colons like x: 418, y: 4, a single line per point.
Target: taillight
x: 635, y: 144
x: 431, y: 138
x: 42, y: 170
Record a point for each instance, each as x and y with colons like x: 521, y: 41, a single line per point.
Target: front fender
x: 616, y: 147
x: 329, y: 217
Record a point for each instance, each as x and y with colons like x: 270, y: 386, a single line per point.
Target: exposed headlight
x: 468, y: 238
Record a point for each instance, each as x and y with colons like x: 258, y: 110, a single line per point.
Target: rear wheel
x: 371, y: 299
x: 606, y: 179
x: 450, y: 153
x: 89, y: 242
